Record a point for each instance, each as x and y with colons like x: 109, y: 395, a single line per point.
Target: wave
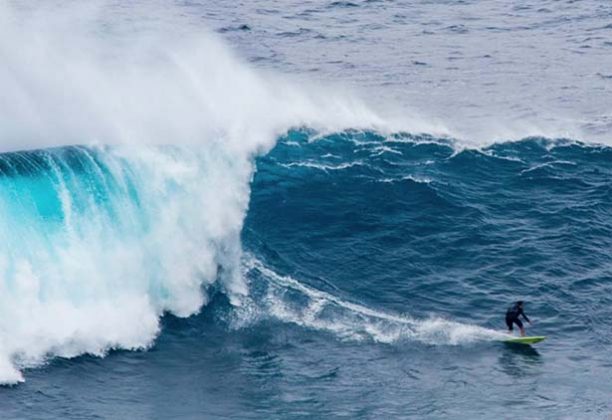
x: 99, y: 241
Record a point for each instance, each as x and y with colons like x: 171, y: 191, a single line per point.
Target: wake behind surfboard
x: 525, y: 340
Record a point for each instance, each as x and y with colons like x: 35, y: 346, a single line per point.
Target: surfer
x: 512, y: 317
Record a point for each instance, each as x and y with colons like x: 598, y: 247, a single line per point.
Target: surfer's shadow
x: 518, y: 360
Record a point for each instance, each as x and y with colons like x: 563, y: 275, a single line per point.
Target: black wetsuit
x: 512, y: 316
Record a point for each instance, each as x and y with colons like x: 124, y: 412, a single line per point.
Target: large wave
x: 129, y: 146
x: 98, y: 241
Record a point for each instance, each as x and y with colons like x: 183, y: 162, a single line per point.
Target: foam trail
x: 288, y: 300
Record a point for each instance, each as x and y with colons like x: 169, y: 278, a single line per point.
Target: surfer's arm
x: 525, y: 316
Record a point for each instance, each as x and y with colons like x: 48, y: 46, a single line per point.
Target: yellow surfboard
x: 526, y: 340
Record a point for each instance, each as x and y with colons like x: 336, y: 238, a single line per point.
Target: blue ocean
x: 291, y: 210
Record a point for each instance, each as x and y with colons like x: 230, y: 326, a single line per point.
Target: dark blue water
x: 321, y: 273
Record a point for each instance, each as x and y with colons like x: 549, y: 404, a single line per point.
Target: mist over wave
x: 162, y: 80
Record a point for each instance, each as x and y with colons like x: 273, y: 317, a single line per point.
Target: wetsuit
x: 512, y: 316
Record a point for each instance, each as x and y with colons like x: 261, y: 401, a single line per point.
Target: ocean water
x: 304, y: 209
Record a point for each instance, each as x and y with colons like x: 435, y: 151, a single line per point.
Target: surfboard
x: 526, y: 340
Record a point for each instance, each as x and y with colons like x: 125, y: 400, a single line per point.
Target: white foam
x: 322, y: 166
x: 323, y: 311
x: 415, y: 179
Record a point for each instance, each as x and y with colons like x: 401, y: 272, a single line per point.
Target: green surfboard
x: 525, y: 340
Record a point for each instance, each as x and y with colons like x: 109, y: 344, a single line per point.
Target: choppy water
x: 186, y: 235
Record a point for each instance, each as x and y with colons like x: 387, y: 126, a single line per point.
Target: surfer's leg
x: 520, y: 325
x: 509, y: 324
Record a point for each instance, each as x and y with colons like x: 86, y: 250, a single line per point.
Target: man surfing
x: 512, y: 317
